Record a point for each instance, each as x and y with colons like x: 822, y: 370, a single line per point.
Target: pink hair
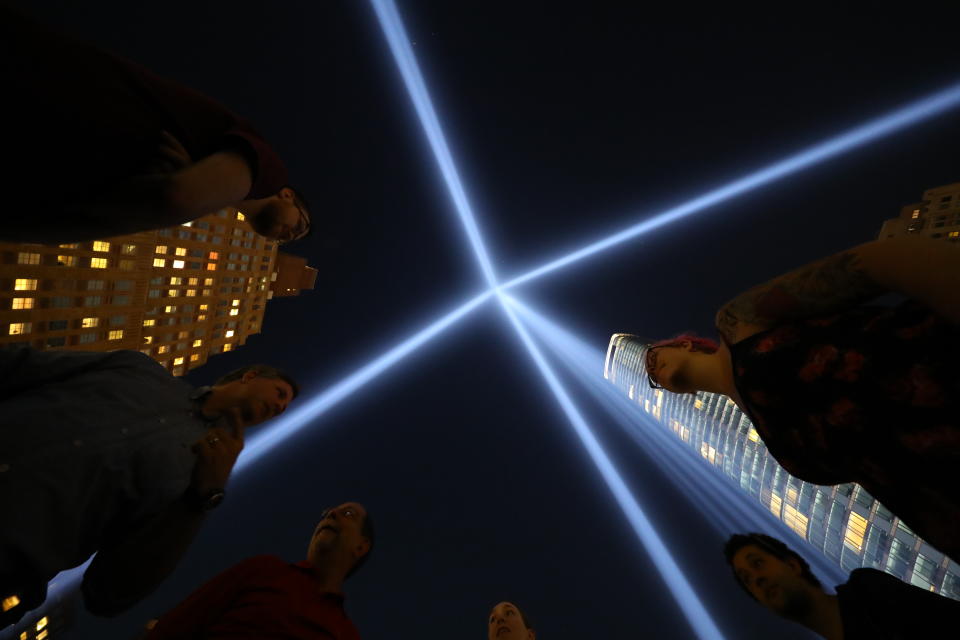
x: 706, y: 345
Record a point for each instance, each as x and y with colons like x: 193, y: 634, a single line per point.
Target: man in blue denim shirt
x: 109, y: 453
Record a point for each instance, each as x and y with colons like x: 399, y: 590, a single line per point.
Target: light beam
x: 289, y: 424
x: 911, y: 114
x: 402, y: 52
x: 686, y: 598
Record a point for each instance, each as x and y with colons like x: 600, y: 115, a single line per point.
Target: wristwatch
x: 206, y: 501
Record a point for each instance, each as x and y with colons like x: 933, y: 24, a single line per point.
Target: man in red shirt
x: 97, y: 146
x: 265, y: 597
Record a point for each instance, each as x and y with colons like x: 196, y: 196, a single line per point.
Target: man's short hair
x: 772, y: 546
x: 367, y: 532
x: 264, y: 371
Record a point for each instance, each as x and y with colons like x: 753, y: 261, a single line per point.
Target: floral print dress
x: 870, y: 395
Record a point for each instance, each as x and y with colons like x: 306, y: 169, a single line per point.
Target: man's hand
x: 216, y: 452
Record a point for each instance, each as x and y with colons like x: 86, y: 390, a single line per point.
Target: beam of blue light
x: 726, y: 507
x: 873, y: 130
x: 292, y: 422
x: 688, y: 601
x: 402, y: 52
x: 269, y: 437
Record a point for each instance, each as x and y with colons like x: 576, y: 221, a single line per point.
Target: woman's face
x: 667, y: 366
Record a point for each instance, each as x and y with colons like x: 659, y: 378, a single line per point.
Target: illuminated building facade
x: 936, y: 216
x: 844, y: 522
x: 53, y: 620
x: 179, y: 294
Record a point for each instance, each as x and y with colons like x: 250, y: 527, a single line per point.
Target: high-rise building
x: 179, y: 294
x: 844, y: 522
x: 937, y: 215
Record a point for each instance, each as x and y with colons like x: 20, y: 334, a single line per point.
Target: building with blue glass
x: 844, y: 522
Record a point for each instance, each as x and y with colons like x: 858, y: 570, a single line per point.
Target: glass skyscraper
x: 844, y: 522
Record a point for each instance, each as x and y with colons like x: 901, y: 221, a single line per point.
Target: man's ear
x: 286, y: 193
x: 362, y: 548
x: 248, y: 376
x: 531, y: 635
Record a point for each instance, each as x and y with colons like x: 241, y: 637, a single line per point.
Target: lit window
x: 211, y: 266
x: 10, y: 602
x: 150, y: 322
x: 41, y: 623
x: 178, y: 361
x: 191, y: 293
x: 198, y: 343
x: 234, y: 312
x: 214, y: 255
x: 204, y: 307
x: 181, y: 251
x: 172, y: 293
x: 161, y: 248
x: 954, y: 234
x: 853, y: 535
x: 116, y: 334
x: 163, y: 348
x: 147, y: 339
x: 182, y: 335
x: 915, y: 214
x: 227, y: 347
x: 208, y: 292
x: 127, y: 265
x: 42, y: 635
x: 28, y: 258
x: 88, y: 323
x: 128, y: 249
x: 178, y: 264
x: 25, y: 284
x: 176, y: 280
x: 194, y: 357
x: 72, y: 245
x: 22, y: 303
x: 67, y: 261
x: 229, y: 334
x: 207, y: 281
x: 19, y: 328
x: 100, y: 245
x: 159, y: 262
x: 169, y: 309
x: 193, y: 281
x: 235, y: 303
x: 240, y: 216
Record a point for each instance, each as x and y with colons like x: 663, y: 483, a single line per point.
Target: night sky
x: 566, y: 124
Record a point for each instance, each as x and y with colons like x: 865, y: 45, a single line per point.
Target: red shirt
x: 262, y: 597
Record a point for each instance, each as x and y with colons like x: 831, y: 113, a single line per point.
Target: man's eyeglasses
x: 650, y: 362
x: 303, y: 225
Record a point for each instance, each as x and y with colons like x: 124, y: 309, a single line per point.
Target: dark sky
x: 566, y: 124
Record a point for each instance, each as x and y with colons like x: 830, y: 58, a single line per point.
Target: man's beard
x: 797, y: 605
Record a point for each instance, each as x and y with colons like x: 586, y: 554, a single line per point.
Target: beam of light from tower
x: 911, y: 114
x: 281, y: 429
x: 312, y: 408
x: 687, y: 600
x: 402, y: 52
x: 727, y: 507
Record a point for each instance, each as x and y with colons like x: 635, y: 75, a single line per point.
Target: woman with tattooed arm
x: 842, y: 391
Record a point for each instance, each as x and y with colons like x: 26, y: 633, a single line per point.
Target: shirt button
x: 4, y: 467
x: 78, y: 443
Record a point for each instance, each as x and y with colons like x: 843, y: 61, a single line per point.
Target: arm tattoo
x: 827, y: 286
